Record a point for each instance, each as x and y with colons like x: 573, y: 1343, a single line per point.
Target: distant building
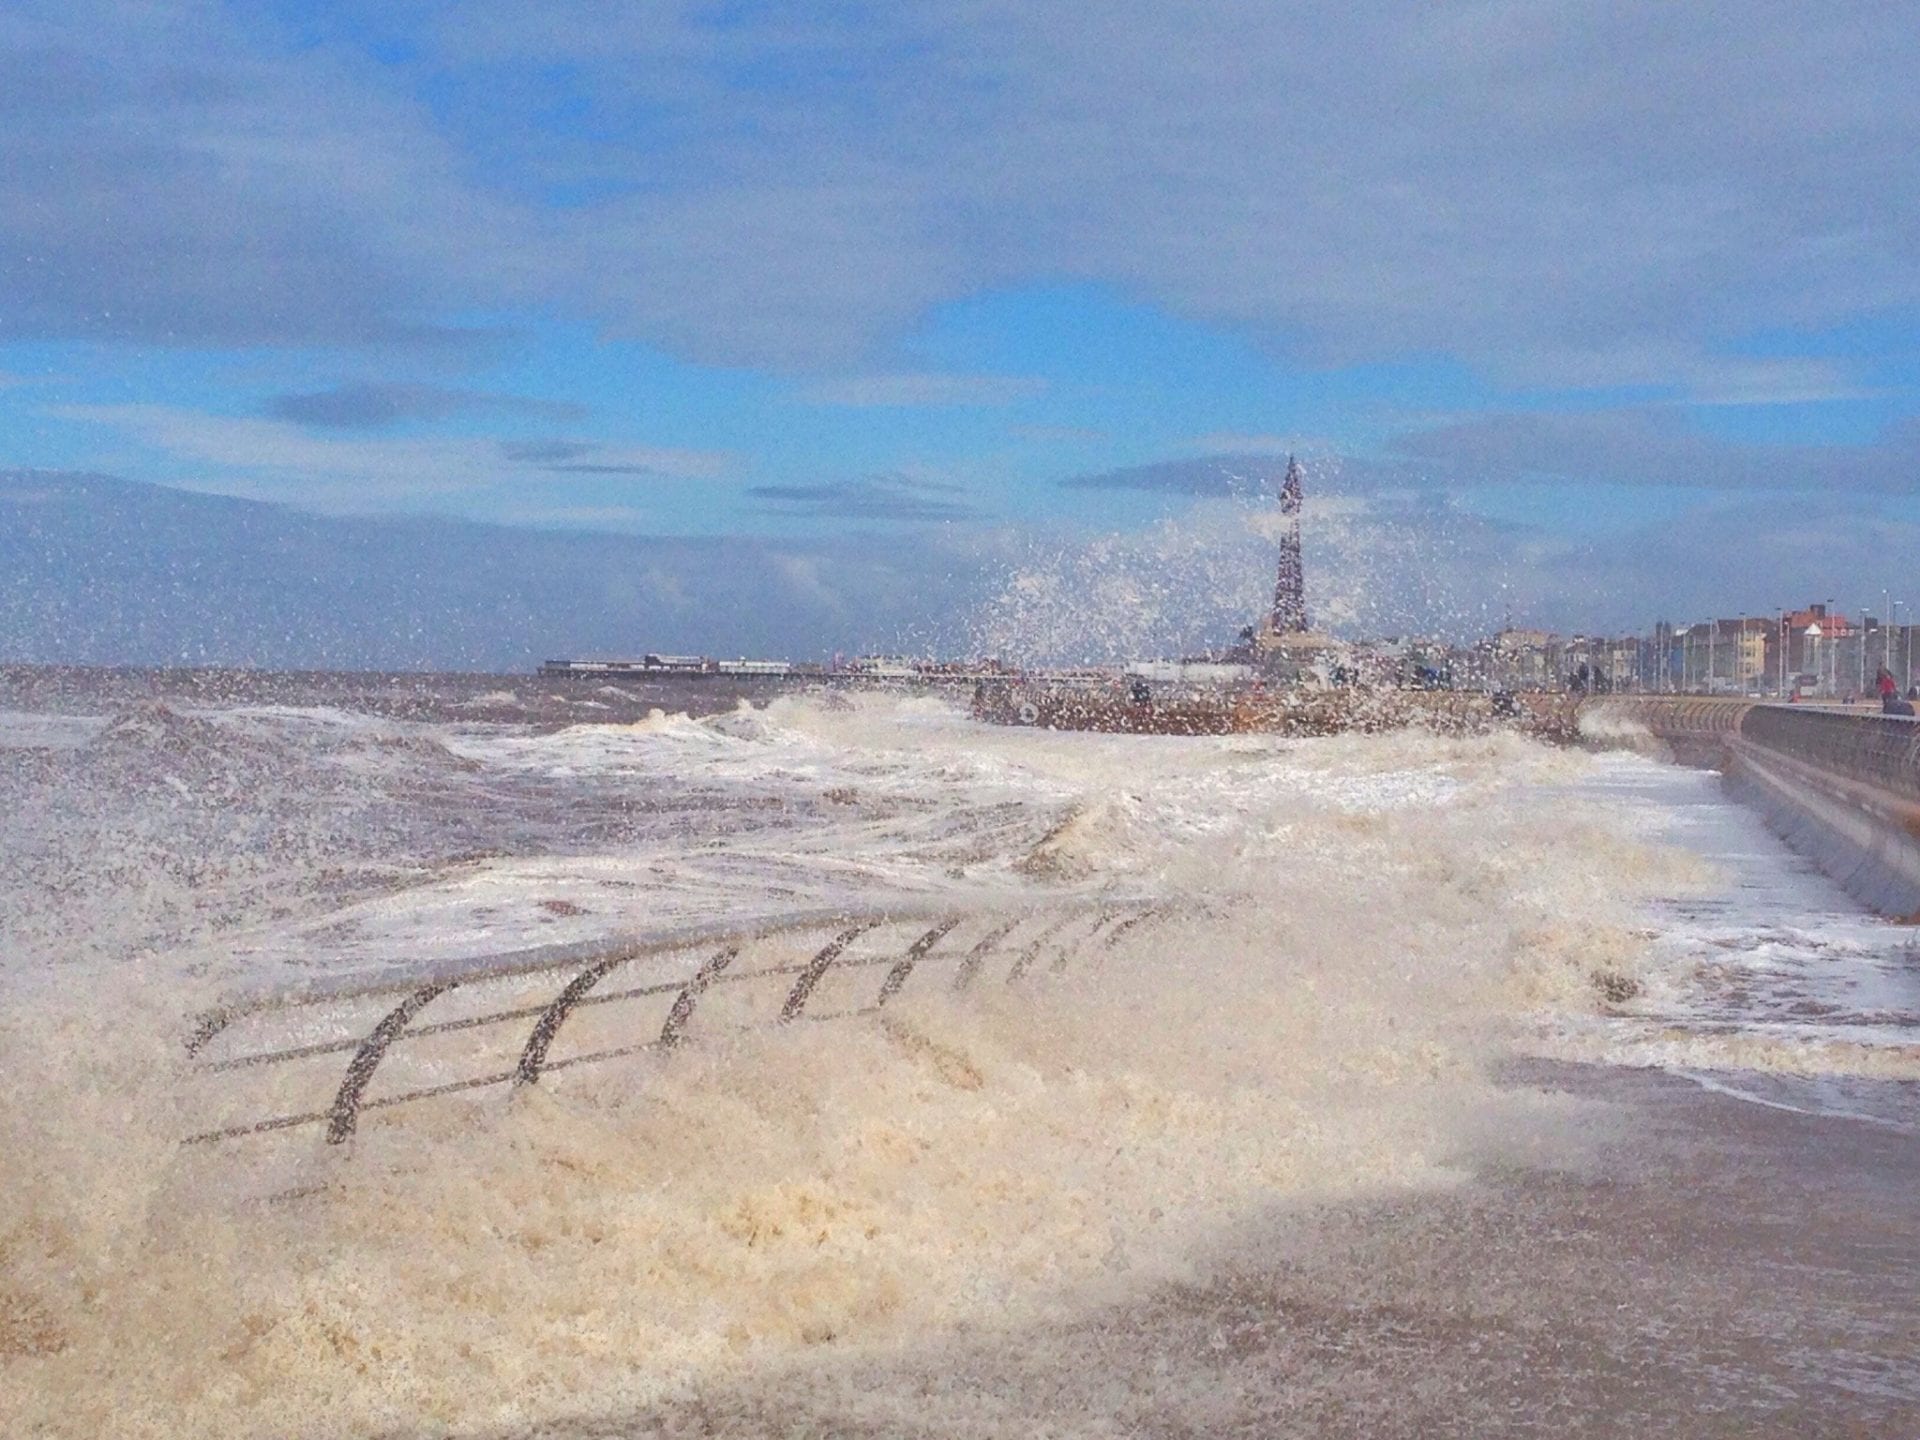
x: 1723, y: 657
x: 1822, y: 651
x: 1517, y: 659
x: 1189, y: 672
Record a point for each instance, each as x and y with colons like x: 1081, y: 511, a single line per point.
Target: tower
x: 1290, y: 588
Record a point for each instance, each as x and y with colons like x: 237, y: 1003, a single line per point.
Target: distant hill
x: 97, y: 570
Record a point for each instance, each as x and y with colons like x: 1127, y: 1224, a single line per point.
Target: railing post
x: 345, y: 1114
x: 903, y: 967
x: 1074, y: 947
x: 816, y: 967
x: 1027, y: 956
x: 970, y: 962
x: 534, y: 1055
x: 206, y: 1028
x: 690, y: 994
x: 1131, y: 923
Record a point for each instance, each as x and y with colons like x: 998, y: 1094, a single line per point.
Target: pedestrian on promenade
x: 1890, y: 701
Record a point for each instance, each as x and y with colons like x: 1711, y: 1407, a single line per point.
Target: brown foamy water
x: 1024, y: 1208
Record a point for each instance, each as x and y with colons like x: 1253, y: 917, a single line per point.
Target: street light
x: 1832, y: 654
x: 1860, y: 651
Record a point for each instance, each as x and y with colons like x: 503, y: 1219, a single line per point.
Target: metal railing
x: 1878, y: 750
x: 1673, y: 716
x: 841, y: 945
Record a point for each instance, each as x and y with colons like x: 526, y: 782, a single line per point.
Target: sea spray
x: 1368, y: 924
x: 1379, y: 561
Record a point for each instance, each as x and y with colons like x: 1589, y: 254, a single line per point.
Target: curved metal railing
x: 1878, y: 750
x: 1673, y: 716
x: 795, y: 957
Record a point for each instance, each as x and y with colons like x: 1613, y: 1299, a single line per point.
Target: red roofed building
x: 1810, y: 635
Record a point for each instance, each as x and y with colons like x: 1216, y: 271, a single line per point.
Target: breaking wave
x: 1370, y: 926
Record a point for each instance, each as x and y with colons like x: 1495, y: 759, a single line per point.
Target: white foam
x: 1768, y: 970
x: 33, y: 730
x: 1373, y: 921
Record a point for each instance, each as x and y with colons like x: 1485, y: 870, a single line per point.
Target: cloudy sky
x: 1614, y: 281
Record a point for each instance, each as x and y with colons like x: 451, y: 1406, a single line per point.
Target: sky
x: 1629, y: 292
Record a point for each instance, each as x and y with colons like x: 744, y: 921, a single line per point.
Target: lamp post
x: 1832, y: 654
x: 1909, y: 665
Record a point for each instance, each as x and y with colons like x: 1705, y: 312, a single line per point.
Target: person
x: 1890, y: 701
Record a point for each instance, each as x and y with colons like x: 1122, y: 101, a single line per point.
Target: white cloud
x: 1562, y: 193
x: 1557, y: 193
x: 806, y: 578
x: 1060, y: 434
x: 1231, y: 444
x: 913, y: 391
x: 1652, y: 446
x: 606, y: 519
x: 179, y: 173
x: 272, y: 459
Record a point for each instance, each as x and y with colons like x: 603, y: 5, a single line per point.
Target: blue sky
x: 1581, y: 273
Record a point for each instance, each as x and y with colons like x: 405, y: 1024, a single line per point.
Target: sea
x: 1449, y: 1086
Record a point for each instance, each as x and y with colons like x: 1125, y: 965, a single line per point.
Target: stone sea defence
x: 1113, y: 706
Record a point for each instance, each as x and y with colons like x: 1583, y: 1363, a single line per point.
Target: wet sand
x: 1728, y: 1270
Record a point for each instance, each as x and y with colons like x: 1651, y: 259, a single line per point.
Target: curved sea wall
x: 1843, y: 788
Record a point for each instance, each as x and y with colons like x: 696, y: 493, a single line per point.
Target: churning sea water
x: 1372, y: 937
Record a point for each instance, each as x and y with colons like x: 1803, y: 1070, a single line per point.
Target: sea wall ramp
x: 1842, y: 787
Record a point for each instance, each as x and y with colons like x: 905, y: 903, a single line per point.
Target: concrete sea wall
x: 1842, y: 788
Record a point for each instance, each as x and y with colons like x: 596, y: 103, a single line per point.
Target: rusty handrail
x: 1112, y: 918
x: 533, y: 960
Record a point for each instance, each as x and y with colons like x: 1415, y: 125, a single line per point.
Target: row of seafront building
x: 1819, y: 651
